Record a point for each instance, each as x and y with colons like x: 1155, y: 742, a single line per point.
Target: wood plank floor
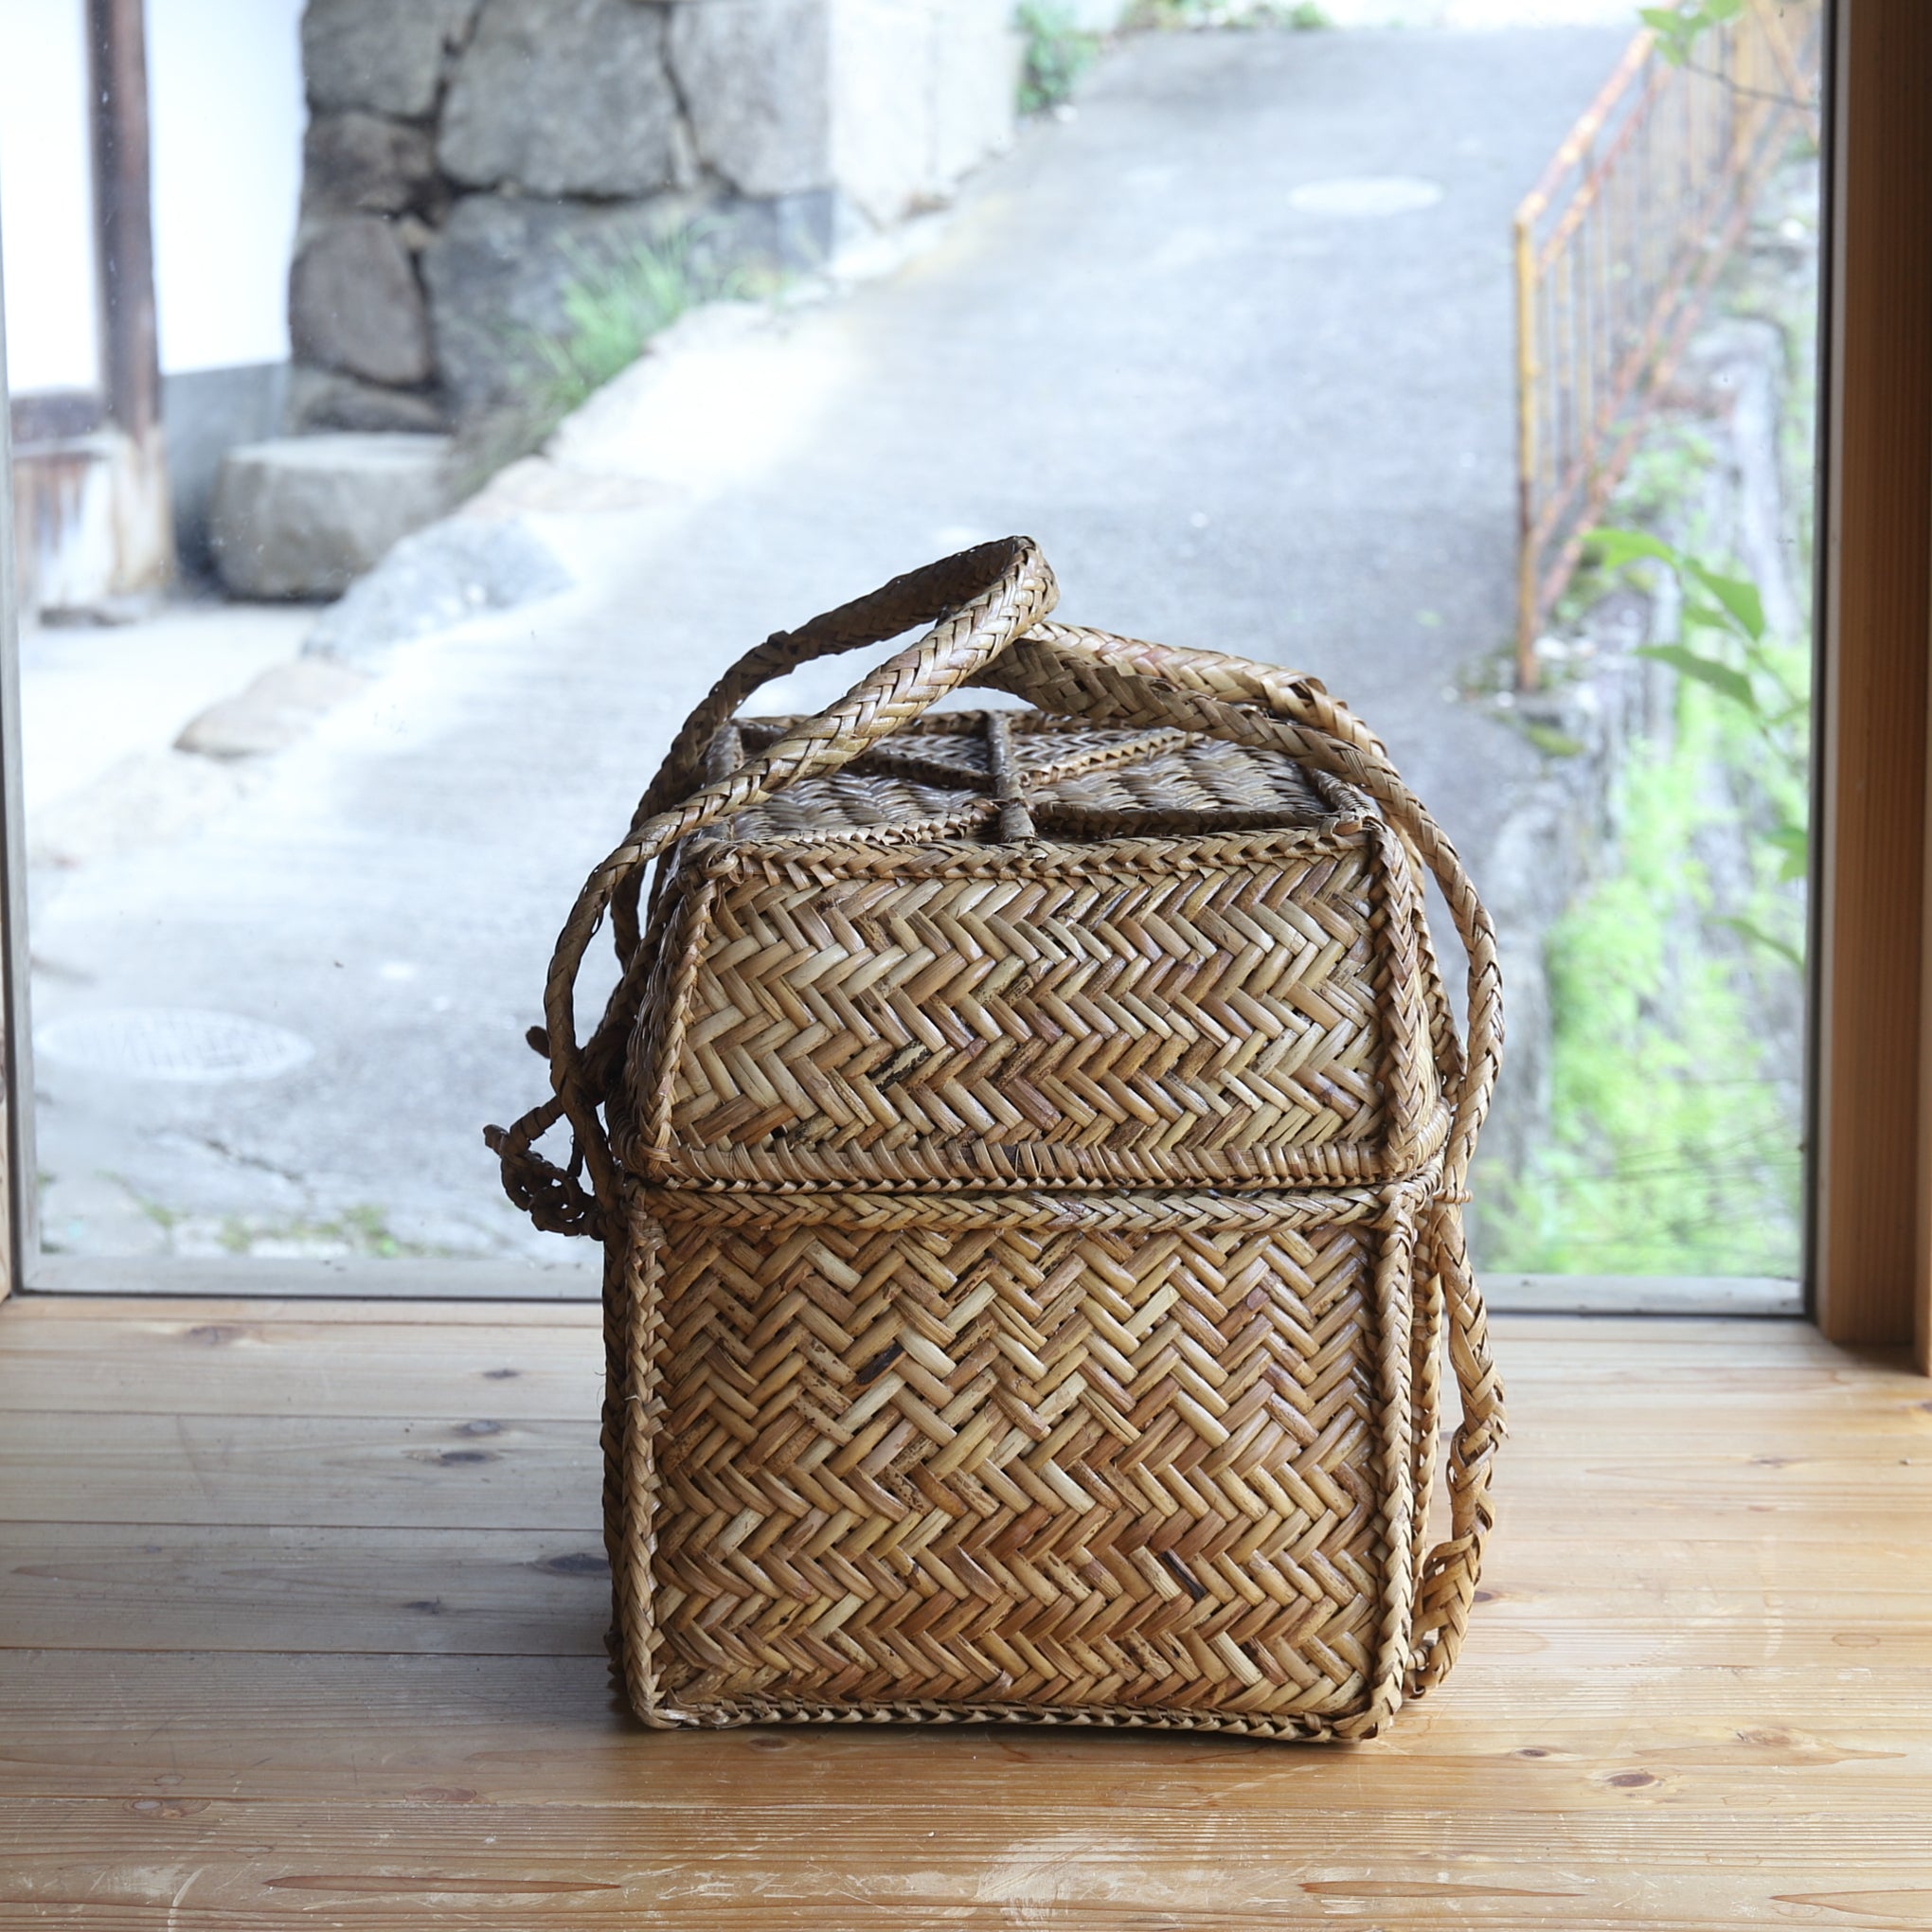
x: 300, y: 1623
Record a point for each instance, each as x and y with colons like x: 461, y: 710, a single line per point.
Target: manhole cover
x: 172, y: 1043
x: 1365, y: 194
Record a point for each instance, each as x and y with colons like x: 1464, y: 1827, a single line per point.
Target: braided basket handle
x: 1124, y: 681
x: 977, y: 602
x: 1445, y: 1590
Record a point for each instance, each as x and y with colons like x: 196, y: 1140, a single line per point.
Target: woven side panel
x: 1141, y: 1477
x: 622, y: 1268
x: 632, y: 1413
x: 1425, y: 1397
x: 1412, y: 1084
x: 1219, y: 1015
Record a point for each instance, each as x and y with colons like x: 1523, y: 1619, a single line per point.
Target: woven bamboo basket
x: 1029, y: 1147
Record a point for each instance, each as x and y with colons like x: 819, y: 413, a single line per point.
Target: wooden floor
x: 303, y: 1606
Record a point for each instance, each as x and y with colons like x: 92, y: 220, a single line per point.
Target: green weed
x: 1764, y: 685
x: 1674, y: 1147
x: 362, y: 1230
x: 1303, y: 16
x: 1678, y: 28
x: 1055, y: 52
x: 1548, y: 740
x: 614, y: 304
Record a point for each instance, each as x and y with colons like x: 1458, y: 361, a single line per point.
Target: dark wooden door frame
x: 68, y: 444
x: 126, y: 391
x: 1872, y: 1146
x: 123, y: 216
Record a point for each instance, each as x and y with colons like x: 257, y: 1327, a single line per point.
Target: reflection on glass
x: 1458, y: 352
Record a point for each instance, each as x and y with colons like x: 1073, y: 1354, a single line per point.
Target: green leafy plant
x: 1674, y: 1145
x: 613, y: 304
x: 1303, y: 16
x: 1725, y: 649
x: 1677, y: 27
x: 1055, y: 52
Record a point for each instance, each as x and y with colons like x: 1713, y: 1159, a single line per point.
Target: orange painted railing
x: 1616, y: 248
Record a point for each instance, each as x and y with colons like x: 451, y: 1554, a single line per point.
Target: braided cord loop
x: 977, y: 602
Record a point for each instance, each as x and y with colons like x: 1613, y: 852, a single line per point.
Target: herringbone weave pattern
x: 1092, y: 1469
x: 964, y: 1014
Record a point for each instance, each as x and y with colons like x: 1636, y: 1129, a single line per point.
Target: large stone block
x: 881, y: 97
x: 305, y: 516
x: 358, y: 162
x: 563, y: 98
x: 495, y: 274
x: 458, y: 568
x: 383, y: 55
x: 354, y: 304
x: 922, y: 91
x: 975, y: 87
x: 754, y: 76
x: 326, y: 399
x: 498, y: 272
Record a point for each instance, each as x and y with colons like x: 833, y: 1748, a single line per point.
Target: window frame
x: 19, y: 1193
x: 1870, y: 1266
x: 1869, y: 1261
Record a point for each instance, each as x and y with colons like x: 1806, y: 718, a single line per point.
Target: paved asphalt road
x: 1233, y: 417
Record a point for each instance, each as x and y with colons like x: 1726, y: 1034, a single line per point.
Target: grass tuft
x: 1055, y: 52
x: 614, y: 305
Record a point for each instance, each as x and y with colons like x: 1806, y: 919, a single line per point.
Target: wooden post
x: 130, y: 355
x: 131, y: 351
x: 1872, y: 1254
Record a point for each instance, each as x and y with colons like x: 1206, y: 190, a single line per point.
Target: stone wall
x: 466, y: 160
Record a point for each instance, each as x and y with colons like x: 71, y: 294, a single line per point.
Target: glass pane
x: 1460, y: 353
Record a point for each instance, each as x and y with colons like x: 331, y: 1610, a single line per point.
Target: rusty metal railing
x: 1616, y: 248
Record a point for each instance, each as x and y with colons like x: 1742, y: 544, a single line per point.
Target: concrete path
x: 1232, y: 416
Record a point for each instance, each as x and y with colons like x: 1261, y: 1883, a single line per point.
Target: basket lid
x: 1199, y: 965
x: 937, y: 777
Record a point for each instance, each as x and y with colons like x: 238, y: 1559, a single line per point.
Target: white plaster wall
x: 47, y: 222
x: 224, y: 82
